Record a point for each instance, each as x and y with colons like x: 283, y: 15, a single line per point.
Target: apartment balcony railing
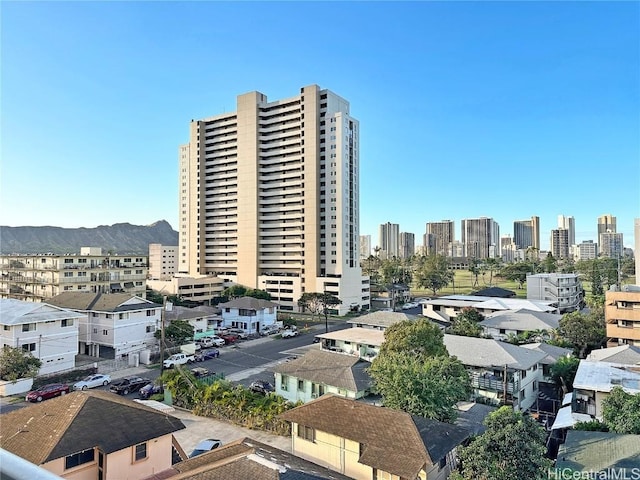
x: 493, y: 383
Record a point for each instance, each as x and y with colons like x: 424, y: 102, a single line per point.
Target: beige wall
x: 622, y: 314
x: 120, y: 465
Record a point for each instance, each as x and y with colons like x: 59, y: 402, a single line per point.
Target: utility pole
x: 324, y: 304
x: 504, y: 383
x: 162, y: 316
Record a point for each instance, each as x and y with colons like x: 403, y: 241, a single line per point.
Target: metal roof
x: 18, y: 312
x: 603, y: 376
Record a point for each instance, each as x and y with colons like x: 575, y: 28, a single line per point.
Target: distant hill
x: 120, y: 238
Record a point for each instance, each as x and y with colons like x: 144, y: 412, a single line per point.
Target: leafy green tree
x: 237, y: 291
x: 177, y: 332
x: 316, y: 303
x: 492, y: 265
x: 517, y: 272
x: 466, y: 323
x: 16, y: 363
x: 591, y: 426
x: 621, y: 411
x: 433, y: 273
x: 474, y: 268
x: 564, y: 371
x: 513, y: 446
x: 583, y: 331
x: 421, y: 338
x: 550, y: 264
x: 429, y: 387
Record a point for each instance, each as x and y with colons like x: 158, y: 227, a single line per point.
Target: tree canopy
x: 177, y: 332
x: 433, y: 273
x: 466, y: 323
x: 316, y: 302
x: 564, y: 371
x: 513, y: 446
x: 237, y: 291
x: 421, y: 338
x: 584, y: 331
x: 621, y: 411
x: 517, y: 272
x: 16, y: 363
x: 429, y: 387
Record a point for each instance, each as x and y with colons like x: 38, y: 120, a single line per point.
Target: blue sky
x: 466, y: 109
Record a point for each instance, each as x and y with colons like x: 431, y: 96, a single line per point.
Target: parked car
x: 200, y: 372
x: 288, y: 333
x: 205, y: 446
x: 128, y: 384
x: 409, y: 305
x: 261, y: 386
x: 150, y: 389
x: 47, y: 391
x: 269, y: 330
x: 238, y: 332
x: 208, y: 342
x: 207, y: 355
x: 229, y: 338
x: 92, y: 381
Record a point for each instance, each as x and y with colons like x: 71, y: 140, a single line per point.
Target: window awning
x: 128, y: 285
x: 116, y: 286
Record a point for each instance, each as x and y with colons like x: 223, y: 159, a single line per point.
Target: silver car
x: 92, y: 381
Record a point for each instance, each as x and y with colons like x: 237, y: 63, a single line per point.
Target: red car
x: 228, y: 338
x: 47, y: 391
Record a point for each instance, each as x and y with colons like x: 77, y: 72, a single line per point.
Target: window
x: 307, y: 433
x: 6, y: 327
x: 80, y: 458
x: 284, y: 383
x: 68, y: 274
x: 151, y: 313
x: 140, y: 451
x: 150, y: 329
x: 95, y: 330
x: 67, y: 322
x: 28, y: 327
x: 29, y: 347
x: 301, y: 385
x: 105, y: 332
x: 123, y: 316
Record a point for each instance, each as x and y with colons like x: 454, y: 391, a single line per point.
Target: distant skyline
x: 466, y: 109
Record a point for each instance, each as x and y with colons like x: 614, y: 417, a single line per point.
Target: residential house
x: 625, y: 354
x: 37, y: 278
x: 366, y: 442
x: 500, y: 372
x: 204, y: 320
x: 92, y: 434
x: 599, y: 455
x: 502, y: 324
x: 380, y: 320
x: 247, y: 459
x: 595, y: 380
x: 553, y: 354
x: 442, y: 309
x: 248, y: 313
x: 622, y: 316
x: 115, y: 325
x: 390, y: 296
x: 320, y: 371
x: 495, y: 292
x: 49, y: 332
x: 563, y: 289
x: 360, y: 342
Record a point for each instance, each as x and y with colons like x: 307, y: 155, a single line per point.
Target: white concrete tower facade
x: 271, y: 195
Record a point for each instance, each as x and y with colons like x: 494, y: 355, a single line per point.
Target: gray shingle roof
x: 79, y: 421
x: 483, y: 352
x: 249, y: 303
x: 522, y: 319
x: 381, y: 319
x: 101, y: 302
x: 18, y: 312
x: 599, y: 451
x: 553, y: 353
x: 329, y: 368
x: 626, y: 354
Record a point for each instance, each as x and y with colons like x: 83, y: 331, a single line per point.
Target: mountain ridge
x: 121, y: 238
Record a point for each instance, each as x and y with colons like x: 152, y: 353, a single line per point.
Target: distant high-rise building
x: 365, y: 246
x: 269, y: 198
x: 526, y: 233
x: 606, y: 224
x: 439, y: 236
x: 560, y: 243
x: 508, y: 248
x: 389, y: 240
x: 587, y: 250
x: 611, y: 245
x: 407, y: 244
x: 569, y: 224
x: 636, y: 252
x: 480, y: 237
x: 163, y: 261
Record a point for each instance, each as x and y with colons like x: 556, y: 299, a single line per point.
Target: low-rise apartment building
x: 250, y: 314
x: 48, y: 332
x: 563, y: 289
x: 163, y: 261
x: 113, y: 325
x: 622, y: 315
x: 36, y: 278
x: 200, y: 289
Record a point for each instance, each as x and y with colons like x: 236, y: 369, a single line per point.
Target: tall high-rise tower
x: 407, y: 244
x: 389, y: 240
x: 559, y: 243
x: 606, y: 224
x: 569, y: 224
x: 526, y: 233
x: 480, y: 237
x: 439, y: 237
x: 269, y: 197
